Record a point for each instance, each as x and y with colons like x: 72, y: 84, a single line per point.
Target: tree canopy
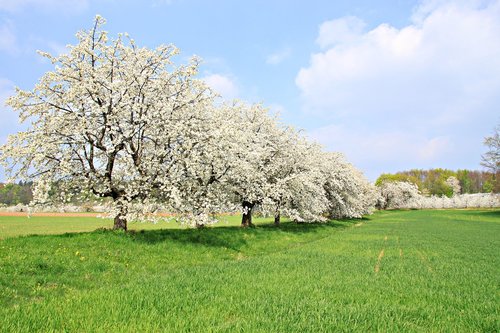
x: 113, y: 118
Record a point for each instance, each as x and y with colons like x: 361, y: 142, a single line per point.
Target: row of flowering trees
x: 400, y: 195
x: 123, y: 122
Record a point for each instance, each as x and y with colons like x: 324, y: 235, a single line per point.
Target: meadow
x: 395, y: 271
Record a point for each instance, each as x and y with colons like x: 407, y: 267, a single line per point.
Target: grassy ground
x: 398, y: 271
x: 11, y: 226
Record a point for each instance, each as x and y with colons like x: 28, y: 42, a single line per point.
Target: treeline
x: 13, y: 194
x: 21, y: 193
x: 436, y: 181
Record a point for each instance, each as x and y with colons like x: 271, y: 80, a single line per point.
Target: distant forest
x: 433, y: 181
x: 21, y: 193
x: 13, y: 194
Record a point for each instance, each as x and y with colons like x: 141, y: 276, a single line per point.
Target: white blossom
x: 400, y: 195
x: 454, y: 184
x: 397, y: 195
x: 115, y: 119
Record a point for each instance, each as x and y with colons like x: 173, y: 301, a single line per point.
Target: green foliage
x: 435, y: 182
x: 487, y: 187
x: 397, y: 177
x: 465, y: 181
x: 13, y: 194
x: 410, y: 271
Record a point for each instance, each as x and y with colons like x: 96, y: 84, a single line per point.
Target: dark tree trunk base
x: 120, y: 223
x: 246, y: 217
x: 277, y: 219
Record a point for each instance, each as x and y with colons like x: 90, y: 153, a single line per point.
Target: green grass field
x: 43, y: 225
x: 397, y: 271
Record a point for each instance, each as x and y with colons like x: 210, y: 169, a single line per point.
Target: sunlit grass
x: 11, y: 226
x: 397, y: 271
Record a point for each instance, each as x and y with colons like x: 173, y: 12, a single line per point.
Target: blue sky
x: 394, y: 84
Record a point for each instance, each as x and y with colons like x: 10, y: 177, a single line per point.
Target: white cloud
x: 390, y: 145
x: 278, y: 57
x: 224, y: 85
x: 49, y: 5
x: 342, y: 30
x: 434, y: 82
x: 8, y: 40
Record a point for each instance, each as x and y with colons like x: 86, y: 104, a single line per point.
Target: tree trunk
x: 120, y: 222
x: 277, y: 214
x: 246, y: 217
x: 277, y: 218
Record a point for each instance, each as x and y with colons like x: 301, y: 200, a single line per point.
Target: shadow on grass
x: 488, y: 213
x: 231, y: 237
